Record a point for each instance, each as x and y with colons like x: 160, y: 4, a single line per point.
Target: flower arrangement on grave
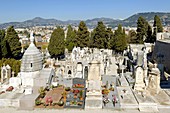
x: 78, y: 86
x: 64, y: 94
x: 76, y: 91
x: 75, y: 95
x: 48, y: 100
x: 75, y: 102
x: 81, y: 94
x: 10, y: 88
x: 106, y: 100
x: 105, y: 91
x: 111, y: 89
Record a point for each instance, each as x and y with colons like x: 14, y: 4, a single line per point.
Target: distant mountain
x: 91, y: 23
x: 131, y: 21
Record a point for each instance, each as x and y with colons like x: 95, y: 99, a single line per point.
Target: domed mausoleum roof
x: 32, y: 58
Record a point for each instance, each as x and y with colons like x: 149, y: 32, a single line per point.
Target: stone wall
x: 162, y: 48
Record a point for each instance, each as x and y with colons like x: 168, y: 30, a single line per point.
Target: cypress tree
x: 99, y: 38
x: 2, y: 36
x: 131, y: 37
x: 70, y: 39
x: 120, y: 39
x: 110, y: 38
x: 158, y: 24
x: 149, y: 38
x: 56, y: 45
x: 13, y: 42
x: 5, y: 49
x: 83, y: 35
x: 157, y: 27
x: 141, y: 30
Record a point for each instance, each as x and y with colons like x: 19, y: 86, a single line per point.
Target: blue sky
x: 21, y: 10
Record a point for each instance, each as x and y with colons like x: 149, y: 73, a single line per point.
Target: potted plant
x: 67, y: 89
x: 81, y: 94
x: 37, y: 102
x: 60, y: 103
x: 75, y: 102
x: 41, y: 92
x: 75, y: 95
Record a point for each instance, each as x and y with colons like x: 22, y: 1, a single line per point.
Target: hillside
x: 131, y: 21
x: 91, y: 23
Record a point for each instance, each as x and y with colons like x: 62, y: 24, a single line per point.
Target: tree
x: 99, y: 36
x: 141, y: 30
x: 13, y: 42
x: 110, y: 38
x: 56, y: 45
x: 149, y: 38
x: 131, y: 37
x: 83, y: 35
x: 2, y: 37
x: 70, y: 39
x: 120, y: 39
x: 5, y: 49
x: 157, y: 26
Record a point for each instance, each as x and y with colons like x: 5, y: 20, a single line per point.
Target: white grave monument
x: 94, y: 94
x: 139, y: 79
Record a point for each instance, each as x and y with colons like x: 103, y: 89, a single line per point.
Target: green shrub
x: 67, y: 88
x: 37, y: 102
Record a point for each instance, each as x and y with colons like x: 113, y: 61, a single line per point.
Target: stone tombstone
x: 74, y: 54
x: 139, y: 79
x: 94, y: 71
x: 102, y: 68
x: 140, y: 59
x: 145, y: 59
x: 8, y: 71
x: 79, y: 67
x: 94, y: 85
x: 52, y: 62
x: 113, y: 67
x: 154, y: 81
x: 15, y: 81
x: 28, y: 91
x: 5, y: 73
x: 79, y: 73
